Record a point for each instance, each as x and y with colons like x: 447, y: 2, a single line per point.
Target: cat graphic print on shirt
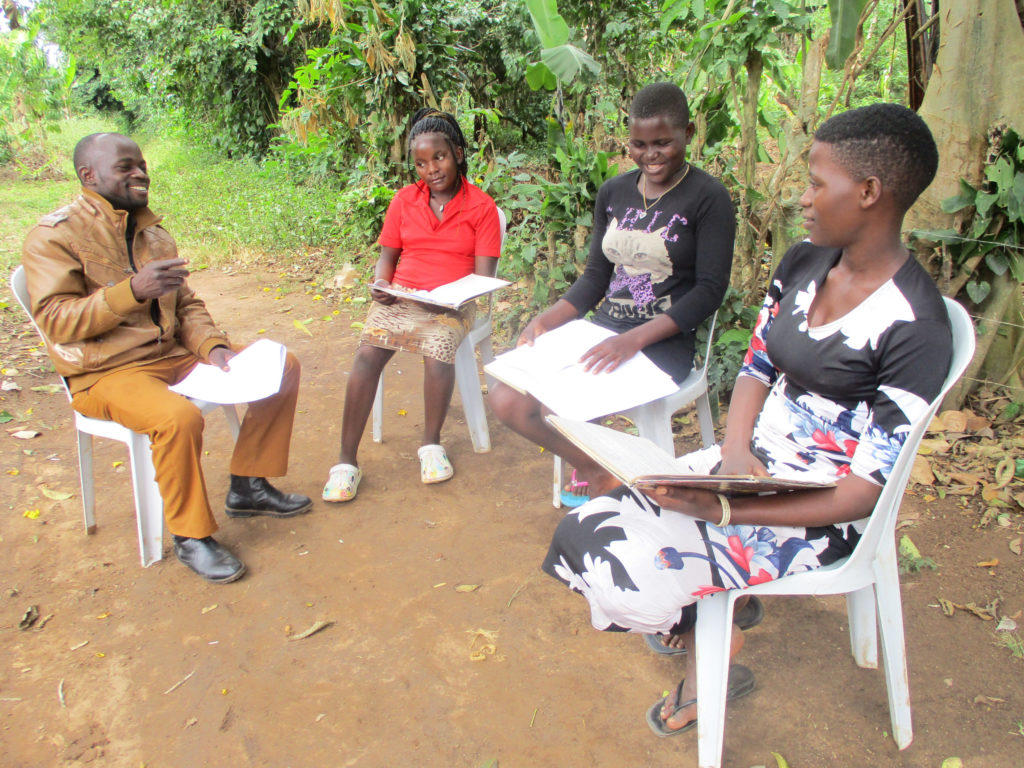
x: 670, y: 255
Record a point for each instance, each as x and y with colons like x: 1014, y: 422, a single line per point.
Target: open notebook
x: 451, y: 295
x: 550, y: 371
x: 639, y: 463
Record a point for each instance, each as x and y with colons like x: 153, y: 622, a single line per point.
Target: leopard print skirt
x: 410, y: 326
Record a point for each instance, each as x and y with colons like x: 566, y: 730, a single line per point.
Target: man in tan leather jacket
x: 121, y: 324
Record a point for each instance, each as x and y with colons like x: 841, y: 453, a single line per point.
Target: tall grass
x: 218, y: 209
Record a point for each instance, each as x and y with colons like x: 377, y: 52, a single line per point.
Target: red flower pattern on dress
x: 741, y: 555
x: 708, y: 590
x: 826, y: 440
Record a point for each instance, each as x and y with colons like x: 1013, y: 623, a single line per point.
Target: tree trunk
x: 747, y: 258
x: 977, y: 82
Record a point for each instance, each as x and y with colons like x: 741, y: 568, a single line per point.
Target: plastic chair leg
x: 556, y: 493
x: 85, y: 477
x: 655, y: 423
x: 714, y: 627
x: 860, y: 611
x: 486, y: 356
x: 149, y: 507
x: 707, y: 423
x: 894, y: 651
x: 378, y: 411
x: 468, y: 381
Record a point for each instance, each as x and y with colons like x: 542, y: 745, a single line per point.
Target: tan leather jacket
x: 79, y: 280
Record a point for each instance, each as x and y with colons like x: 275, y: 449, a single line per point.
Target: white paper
x: 453, y: 294
x: 255, y: 373
x: 550, y: 371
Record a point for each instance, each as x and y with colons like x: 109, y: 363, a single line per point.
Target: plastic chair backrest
x: 883, y: 518
x: 709, y: 344
x: 19, y: 287
x: 503, y: 222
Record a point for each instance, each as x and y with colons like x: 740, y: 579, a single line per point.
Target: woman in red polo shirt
x: 435, y: 231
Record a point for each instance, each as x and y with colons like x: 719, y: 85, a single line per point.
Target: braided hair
x: 428, y: 120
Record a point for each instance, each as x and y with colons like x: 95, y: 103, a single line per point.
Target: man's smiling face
x: 116, y: 170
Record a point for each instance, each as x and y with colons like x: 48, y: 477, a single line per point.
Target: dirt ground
x: 154, y: 667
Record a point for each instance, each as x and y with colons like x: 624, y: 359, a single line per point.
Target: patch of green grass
x: 218, y: 209
x: 1012, y: 642
x: 24, y: 199
x: 23, y: 202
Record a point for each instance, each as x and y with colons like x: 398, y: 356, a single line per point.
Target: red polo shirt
x: 438, y: 252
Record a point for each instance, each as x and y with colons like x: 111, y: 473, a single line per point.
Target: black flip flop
x: 741, y: 682
x: 750, y: 615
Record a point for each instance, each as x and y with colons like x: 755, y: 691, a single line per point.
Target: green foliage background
x: 297, y: 112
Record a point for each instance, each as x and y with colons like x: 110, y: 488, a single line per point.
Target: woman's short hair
x: 428, y: 120
x: 888, y: 141
x: 661, y: 100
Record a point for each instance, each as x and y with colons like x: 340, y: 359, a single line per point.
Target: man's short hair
x: 84, y: 148
x: 661, y: 100
x: 884, y: 140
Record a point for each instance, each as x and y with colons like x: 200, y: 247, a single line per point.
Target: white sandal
x: 434, y: 464
x: 342, y: 482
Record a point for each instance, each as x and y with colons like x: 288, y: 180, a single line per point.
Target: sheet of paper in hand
x: 255, y: 374
x: 452, y: 295
x: 639, y: 463
x: 550, y: 371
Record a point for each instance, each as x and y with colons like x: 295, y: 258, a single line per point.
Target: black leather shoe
x: 209, y: 559
x: 251, y: 496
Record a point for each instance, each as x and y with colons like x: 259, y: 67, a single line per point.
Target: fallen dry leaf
x: 988, y: 563
x: 954, y: 421
x: 484, y: 643
x: 948, y: 607
x: 1017, y: 545
x: 976, y: 423
x: 29, y: 618
x: 991, y: 492
x: 26, y: 434
x: 934, y: 445
x: 317, y: 626
x: 921, y: 472
x: 467, y: 587
x: 985, y: 614
x: 988, y: 701
x: 56, y: 495
x: 1004, y: 472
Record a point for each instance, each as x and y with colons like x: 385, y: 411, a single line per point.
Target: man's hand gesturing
x: 158, y: 277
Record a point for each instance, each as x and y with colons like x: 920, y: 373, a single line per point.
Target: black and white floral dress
x: 842, y: 398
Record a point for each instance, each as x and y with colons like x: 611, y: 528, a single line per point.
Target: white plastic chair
x: 869, y: 578
x: 467, y: 378
x: 149, y: 506
x: 653, y: 420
